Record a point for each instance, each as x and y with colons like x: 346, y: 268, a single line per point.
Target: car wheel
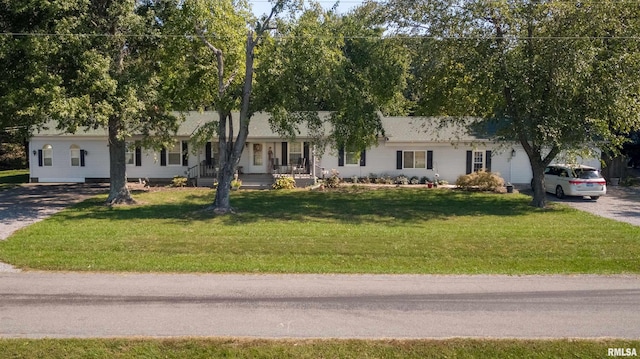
x: 559, y: 192
x: 595, y: 198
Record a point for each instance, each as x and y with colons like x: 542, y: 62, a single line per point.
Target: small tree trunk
x: 222, y: 204
x: 539, y: 194
x: 118, y: 191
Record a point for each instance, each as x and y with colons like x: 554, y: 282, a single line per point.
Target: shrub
x: 481, y: 180
x: 424, y: 180
x: 284, y: 182
x: 414, y: 180
x: 402, y: 179
x: 334, y: 180
x: 236, y: 183
x: 179, y: 181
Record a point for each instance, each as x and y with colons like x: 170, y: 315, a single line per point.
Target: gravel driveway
x: 30, y: 203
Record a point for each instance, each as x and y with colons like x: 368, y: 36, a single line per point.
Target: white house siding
x: 405, y: 134
x: 449, y: 162
x: 96, y: 162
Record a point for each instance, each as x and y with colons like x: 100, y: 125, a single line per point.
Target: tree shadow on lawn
x: 392, y: 206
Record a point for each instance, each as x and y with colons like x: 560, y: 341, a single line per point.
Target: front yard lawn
x: 249, y: 348
x: 11, y: 178
x: 352, y: 230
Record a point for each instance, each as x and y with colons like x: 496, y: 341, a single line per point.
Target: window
x: 257, y: 154
x: 478, y: 161
x: 75, y: 155
x: 414, y: 159
x: 295, y: 153
x: 351, y: 158
x: 174, y: 155
x: 130, y: 155
x: 47, y: 155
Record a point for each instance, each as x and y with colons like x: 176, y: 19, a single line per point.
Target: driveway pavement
x: 30, y: 203
x: 621, y: 204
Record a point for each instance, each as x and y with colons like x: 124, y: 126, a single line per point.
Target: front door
x: 258, y: 162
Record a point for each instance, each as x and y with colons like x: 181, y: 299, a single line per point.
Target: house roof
x: 397, y: 129
x: 432, y: 129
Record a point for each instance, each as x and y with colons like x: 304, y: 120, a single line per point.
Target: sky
x: 264, y: 6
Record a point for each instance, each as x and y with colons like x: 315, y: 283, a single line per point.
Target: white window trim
x: 46, y: 150
x: 483, y: 163
x: 74, y: 148
x: 289, y: 149
x: 355, y: 156
x: 414, y: 160
x: 179, y: 153
x: 131, y: 151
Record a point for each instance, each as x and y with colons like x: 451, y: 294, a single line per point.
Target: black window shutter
x: 81, y: 158
x: 207, y: 154
x: 469, y: 162
x: 40, y: 158
x: 363, y: 158
x: 341, y: 157
x: 305, y: 153
x: 185, y: 153
x: 285, y: 154
x: 429, y: 160
x: 399, y: 160
x: 138, y: 158
x: 488, y: 161
x: 163, y: 157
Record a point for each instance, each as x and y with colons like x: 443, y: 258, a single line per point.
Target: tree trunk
x: 230, y: 151
x: 539, y: 194
x: 118, y: 191
x: 222, y: 203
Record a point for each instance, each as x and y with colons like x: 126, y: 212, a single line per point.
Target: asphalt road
x: 42, y: 304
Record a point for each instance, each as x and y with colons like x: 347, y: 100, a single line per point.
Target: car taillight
x: 602, y: 183
x: 575, y: 182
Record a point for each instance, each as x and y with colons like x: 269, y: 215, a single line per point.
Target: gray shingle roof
x: 398, y: 129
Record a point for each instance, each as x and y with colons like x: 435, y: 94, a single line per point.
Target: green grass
x: 11, y: 178
x: 230, y: 348
x: 349, y: 231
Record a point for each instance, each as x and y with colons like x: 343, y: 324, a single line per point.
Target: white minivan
x: 574, y: 180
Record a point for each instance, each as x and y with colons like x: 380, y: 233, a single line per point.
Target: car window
x: 550, y: 171
x: 587, y: 173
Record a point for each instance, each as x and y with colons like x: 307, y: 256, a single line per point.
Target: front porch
x: 204, y: 175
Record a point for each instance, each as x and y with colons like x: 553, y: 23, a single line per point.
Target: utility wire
x: 390, y: 37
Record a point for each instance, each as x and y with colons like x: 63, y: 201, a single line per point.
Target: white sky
x: 264, y: 6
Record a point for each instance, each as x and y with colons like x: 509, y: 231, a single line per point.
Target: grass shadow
x: 349, y: 205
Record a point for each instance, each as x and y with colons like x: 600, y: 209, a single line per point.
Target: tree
x: 342, y: 64
x: 214, y: 54
x: 108, y: 74
x: 554, y: 76
x: 26, y: 88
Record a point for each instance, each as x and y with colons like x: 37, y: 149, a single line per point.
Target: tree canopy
x: 343, y: 64
x: 554, y: 76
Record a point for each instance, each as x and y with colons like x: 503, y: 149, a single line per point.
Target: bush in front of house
x: 179, y: 181
x: 334, y: 180
x: 284, y: 182
x: 481, y: 181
